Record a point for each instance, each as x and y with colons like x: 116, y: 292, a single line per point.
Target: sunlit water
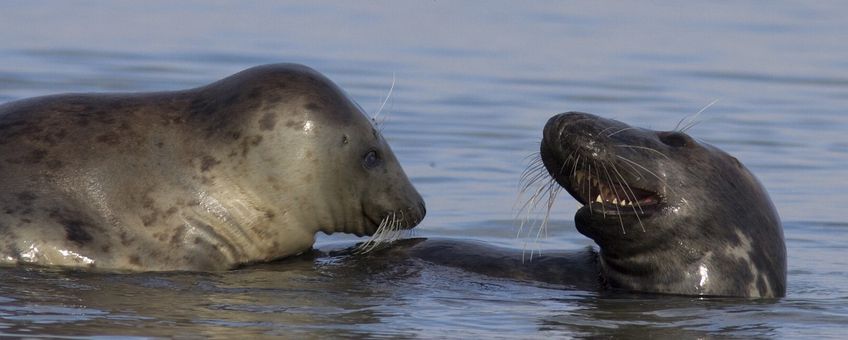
x: 475, y: 84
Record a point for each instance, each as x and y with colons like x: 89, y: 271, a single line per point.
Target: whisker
x: 577, y: 161
x: 388, y: 95
x: 605, y: 130
x: 529, y: 206
x: 544, y: 188
x: 642, y: 148
x: 634, y: 199
x: 615, y: 202
x: 603, y: 210
x: 640, y: 166
x: 687, y: 127
x: 553, y: 189
x: 589, y: 184
x: 387, y: 232
x: 620, y: 131
x: 529, y: 175
x: 695, y: 116
x: 562, y: 168
x: 363, y: 247
x: 534, y: 196
x: 645, y: 169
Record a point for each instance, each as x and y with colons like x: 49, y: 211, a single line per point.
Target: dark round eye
x: 675, y: 139
x: 371, y: 160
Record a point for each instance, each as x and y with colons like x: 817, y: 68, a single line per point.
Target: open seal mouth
x: 604, y: 164
x: 611, y: 197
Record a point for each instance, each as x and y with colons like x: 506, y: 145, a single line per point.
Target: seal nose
x: 567, y: 123
x: 417, y: 213
x: 422, y: 210
x: 410, y: 214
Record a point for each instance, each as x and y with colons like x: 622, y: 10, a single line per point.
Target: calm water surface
x: 475, y: 82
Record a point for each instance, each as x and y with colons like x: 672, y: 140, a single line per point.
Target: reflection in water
x: 357, y: 295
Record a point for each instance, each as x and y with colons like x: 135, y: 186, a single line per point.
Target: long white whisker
x: 633, y: 200
x: 598, y: 175
x: 528, y: 207
x: 391, y: 89
x: 615, y: 192
x: 620, y: 131
x: 640, y: 166
x: 387, y: 232
x: 605, y: 130
x: 695, y: 116
x: 589, y: 184
x: 364, y: 247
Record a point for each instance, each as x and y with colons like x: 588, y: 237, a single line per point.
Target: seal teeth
x: 605, y: 193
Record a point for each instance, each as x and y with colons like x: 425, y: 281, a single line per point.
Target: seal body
x: 246, y: 169
x: 670, y: 214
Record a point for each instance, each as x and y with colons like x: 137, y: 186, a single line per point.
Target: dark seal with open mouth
x: 670, y: 214
x: 245, y: 169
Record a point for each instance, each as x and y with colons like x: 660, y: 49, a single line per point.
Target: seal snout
x: 576, y: 131
x: 409, y: 217
x: 580, y: 151
x: 396, y: 219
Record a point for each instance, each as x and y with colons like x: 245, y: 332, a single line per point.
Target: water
x: 475, y: 83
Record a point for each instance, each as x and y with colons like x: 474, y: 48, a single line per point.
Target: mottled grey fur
x: 246, y: 169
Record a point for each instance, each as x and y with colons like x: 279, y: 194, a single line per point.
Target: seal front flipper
x: 575, y: 270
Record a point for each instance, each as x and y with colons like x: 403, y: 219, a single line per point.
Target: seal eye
x: 675, y: 139
x: 371, y: 160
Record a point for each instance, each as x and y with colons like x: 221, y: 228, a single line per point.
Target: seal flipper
x: 576, y: 269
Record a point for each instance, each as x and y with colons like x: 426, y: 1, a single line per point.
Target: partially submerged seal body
x: 246, y: 169
x: 670, y: 215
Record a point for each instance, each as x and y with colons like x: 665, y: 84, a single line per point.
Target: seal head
x: 670, y: 214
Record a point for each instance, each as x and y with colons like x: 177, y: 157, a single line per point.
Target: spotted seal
x: 670, y: 215
x: 246, y: 169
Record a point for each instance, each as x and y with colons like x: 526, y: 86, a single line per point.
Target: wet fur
x: 246, y: 169
x: 715, y: 233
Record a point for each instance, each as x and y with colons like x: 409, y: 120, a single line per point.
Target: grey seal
x: 246, y: 169
x: 670, y: 215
